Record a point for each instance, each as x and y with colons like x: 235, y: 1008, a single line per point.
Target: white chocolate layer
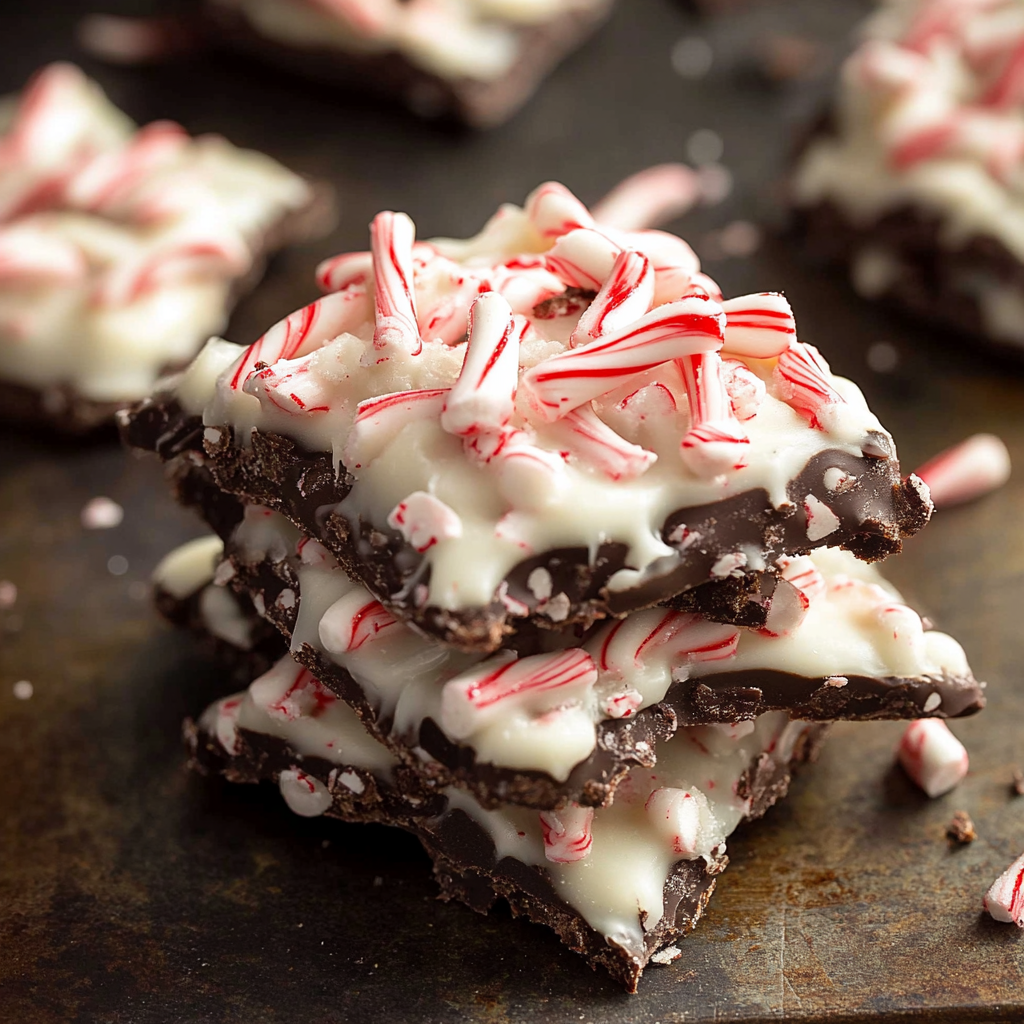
x: 453, y: 39
x: 120, y: 249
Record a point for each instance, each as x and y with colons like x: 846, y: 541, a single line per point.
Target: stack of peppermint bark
x: 563, y: 559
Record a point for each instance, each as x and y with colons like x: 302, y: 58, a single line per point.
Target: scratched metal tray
x: 131, y: 892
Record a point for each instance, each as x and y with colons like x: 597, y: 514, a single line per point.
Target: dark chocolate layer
x: 479, y: 104
x: 875, y: 514
x: 466, y: 864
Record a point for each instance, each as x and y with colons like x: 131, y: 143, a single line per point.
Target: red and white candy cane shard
x: 583, y: 259
x: 804, y: 575
x: 106, y: 182
x: 354, y: 622
x: 675, y: 814
x: 294, y: 391
x: 967, y: 470
x: 622, y: 704
x: 220, y: 257
x: 745, y: 389
x: 424, y: 521
x: 590, y: 439
x: 758, y: 326
x: 716, y: 441
x: 932, y: 756
x: 567, y: 835
x: 42, y: 129
x: 340, y: 272
x: 529, y: 477
x: 301, y: 332
x: 572, y: 378
x: 1008, y: 88
x: 554, y: 211
x: 674, y: 263
x: 802, y: 382
x: 701, y: 284
x: 468, y: 700
x: 312, y: 552
x: 392, y: 236
x: 484, y: 395
x: 1005, y: 899
x: 524, y: 288
x: 226, y: 724
x: 787, y: 610
x: 289, y: 691
x: 682, y: 638
x: 651, y: 197
x: 30, y: 254
x: 380, y: 420
x: 624, y: 297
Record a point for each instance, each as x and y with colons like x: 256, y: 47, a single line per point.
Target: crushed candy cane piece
x: 624, y: 297
x: 1005, y: 899
x: 304, y: 794
x: 391, y: 237
x: 424, y: 521
x: 932, y: 756
x: 554, y: 211
x: 715, y: 441
x: 966, y: 471
x: 676, y: 814
x: 567, y: 835
x: 822, y: 522
x: 650, y: 197
x: 758, y: 326
x: 354, y: 621
x: 288, y: 691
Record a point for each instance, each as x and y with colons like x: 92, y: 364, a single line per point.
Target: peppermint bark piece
x: 617, y: 884
x: 914, y: 179
x: 473, y: 60
x: 555, y: 421
x: 121, y: 248
x: 564, y: 717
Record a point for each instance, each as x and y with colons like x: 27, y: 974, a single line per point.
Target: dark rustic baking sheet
x: 133, y: 893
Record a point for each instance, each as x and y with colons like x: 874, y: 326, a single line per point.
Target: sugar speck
x: 23, y: 689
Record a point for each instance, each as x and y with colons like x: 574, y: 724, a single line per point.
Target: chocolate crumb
x: 961, y: 828
x: 1018, y: 782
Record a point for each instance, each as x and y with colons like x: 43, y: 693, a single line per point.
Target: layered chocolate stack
x: 564, y: 557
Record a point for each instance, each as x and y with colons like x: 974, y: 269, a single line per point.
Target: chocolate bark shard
x: 477, y: 102
x: 467, y: 862
x: 476, y: 459
x: 123, y: 247
x: 705, y: 692
x: 877, y: 511
x: 923, y: 210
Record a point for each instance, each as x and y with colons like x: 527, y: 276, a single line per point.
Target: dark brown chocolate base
x: 875, y: 515
x: 479, y: 104
x: 929, y: 284
x: 62, y: 409
x: 622, y: 744
x: 465, y: 860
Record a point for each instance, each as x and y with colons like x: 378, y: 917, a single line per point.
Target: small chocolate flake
x: 961, y: 828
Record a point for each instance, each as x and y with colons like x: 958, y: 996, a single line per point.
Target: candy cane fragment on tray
x: 301, y: 332
x: 424, y: 521
x: 567, y: 833
x: 570, y: 379
x: 392, y: 236
x: 471, y: 700
x: 1004, y: 900
x: 380, y: 420
x: 758, y: 326
x: 715, y: 441
x: 932, y: 756
x: 554, y: 211
x: 966, y: 471
x: 648, y: 198
x: 625, y: 296
x: 484, y: 395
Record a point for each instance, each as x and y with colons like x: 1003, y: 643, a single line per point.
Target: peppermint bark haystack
x: 121, y: 249
x: 551, y: 538
x: 916, y: 179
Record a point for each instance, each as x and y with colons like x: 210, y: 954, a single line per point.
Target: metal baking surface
x: 132, y: 892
